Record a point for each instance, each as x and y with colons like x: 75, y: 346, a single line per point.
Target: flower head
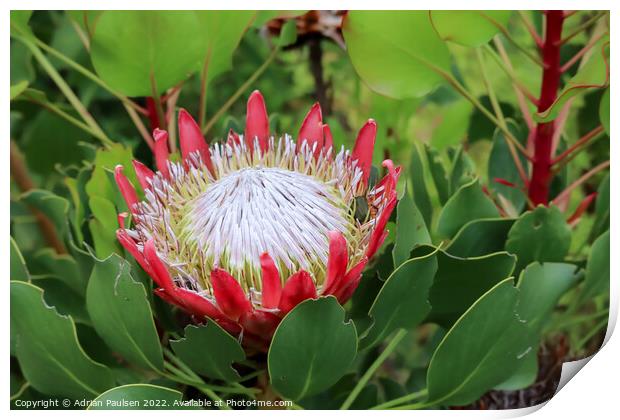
x: 243, y: 231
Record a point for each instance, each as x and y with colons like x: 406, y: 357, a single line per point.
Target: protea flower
x: 243, y: 231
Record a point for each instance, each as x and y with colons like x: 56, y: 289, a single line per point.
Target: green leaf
x: 480, y: 237
x: 121, y: 314
x: 53, y: 206
x: 210, y: 351
x: 18, y: 88
x: 410, y: 230
x: 603, y: 110
x: 60, y: 266
x: 540, y: 235
x: 467, y: 204
x: 65, y: 300
x: 220, y: 32
x: 470, y: 28
x: 397, y: 53
x: 288, y: 34
x: 99, y: 184
x: 418, y: 184
x: 524, y: 376
x: 438, y: 172
x: 19, y: 271
x: 312, y: 348
x: 152, y: 47
x: 19, y: 21
x: 103, y: 226
x: 473, y: 356
x: 86, y: 19
x: 138, y: 397
x: 48, y: 352
x: 594, y: 74
x: 462, y: 170
x: 459, y: 282
x: 502, y: 165
x: 597, y: 269
x: 402, y: 302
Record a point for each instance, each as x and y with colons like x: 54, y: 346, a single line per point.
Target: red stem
x: 543, y: 138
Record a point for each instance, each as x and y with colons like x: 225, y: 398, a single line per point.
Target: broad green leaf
x: 100, y: 184
x: 467, y: 204
x: 19, y: 271
x: 459, y: 282
x: 524, y: 376
x: 471, y: 28
x: 410, y: 230
x: 210, y: 351
x: 479, y: 351
x: 311, y: 349
x: 597, y: 269
x: 49, y: 140
x: 220, y: 32
x: 103, y: 226
x: 502, y: 166
x: 539, y: 235
x: 53, y: 206
x: 60, y: 266
x: 402, y: 302
x: 155, y: 49
x: 47, y: 349
x: 138, y: 397
x: 594, y: 74
x: 397, y: 53
x: 121, y: 314
x: 438, y: 172
x: 65, y: 300
x: 418, y: 185
x: 540, y: 287
x: 603, y: 110
x: 480, y: 237
x: 18, y: 88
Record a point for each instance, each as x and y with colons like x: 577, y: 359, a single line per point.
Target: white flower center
x: 266, y: 209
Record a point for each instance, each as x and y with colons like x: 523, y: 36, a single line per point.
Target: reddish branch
x: 543, y: 138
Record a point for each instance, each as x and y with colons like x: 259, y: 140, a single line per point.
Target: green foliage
x: 121, y: 313
x: 210, y: 351
x: 47, y: 349
x: 467, y: 204
x: 469, y: 28
x: 149, y: 397
x: 312, y: 348
x: 532, y: 234
x: 410, y: 230
x: 379, y: 45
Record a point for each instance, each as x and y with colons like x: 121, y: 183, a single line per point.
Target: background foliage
x: 482, y: 289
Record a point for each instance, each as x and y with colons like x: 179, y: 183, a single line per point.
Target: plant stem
x: 592, y: 333
x: 203, y: 90
x: 89, y: 75
x: 510, y: 73
x: 406, y: 398
x: 66, y: 90
x: 371, y: 370
x: 585, y: 25
x: 564, y: 194
x: 139, y: 126
x: 583, y: 140
x: 570, y: 63
x: 514, y: 42
x: 19, y: 173
x: 66, y: 116
x: 530, y: 29
x: 580, y: 319
x: 500, y: 116
x: 240, y: 91
x: 529, y: 121
x: 543, y: 139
